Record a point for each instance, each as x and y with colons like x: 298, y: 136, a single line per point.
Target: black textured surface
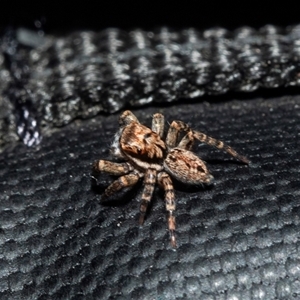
x: 238, y: 240
x: 51, y: 80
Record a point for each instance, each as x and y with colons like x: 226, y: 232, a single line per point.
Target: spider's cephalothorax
x: 146, y: 155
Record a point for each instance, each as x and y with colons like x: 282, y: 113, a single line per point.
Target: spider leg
x: 172, y: 135
x: 187, y: 141
x: 121, y: 183
x: 158, y: 122
x: 178, y: 126
x: 127, y: 117
x: 164, y: 180
x: 219, y: 145
x: 112, y: 168
x: 175, y: 128
x: 149, y: 184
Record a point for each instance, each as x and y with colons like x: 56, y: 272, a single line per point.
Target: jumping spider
x: 147, y: 155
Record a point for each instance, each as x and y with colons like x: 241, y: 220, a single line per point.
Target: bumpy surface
x: 51, y: 80
x: 236, y: 240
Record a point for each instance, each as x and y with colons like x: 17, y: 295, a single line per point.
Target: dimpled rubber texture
x: 52, y: 80
x: 239, y: 239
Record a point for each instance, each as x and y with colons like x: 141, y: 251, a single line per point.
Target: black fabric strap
x: 52, y: 80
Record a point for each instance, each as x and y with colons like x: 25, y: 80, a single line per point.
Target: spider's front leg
x: 158, y: 124
x: 127, y: 117
x: 166, y: 184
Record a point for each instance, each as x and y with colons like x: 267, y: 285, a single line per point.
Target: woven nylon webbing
x: 51, y: 80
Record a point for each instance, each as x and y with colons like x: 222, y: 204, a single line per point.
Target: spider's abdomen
x: 186, y: 167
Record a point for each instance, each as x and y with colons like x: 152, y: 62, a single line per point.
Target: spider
x: 147, y: 155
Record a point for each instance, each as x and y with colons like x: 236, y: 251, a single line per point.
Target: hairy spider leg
x: 127, y: 117
x: 219, y: 145
x: 158, y: 124
x: 149, y: 184
x: 187, y: 141
x: 122, y: 182
x: 178, y: 126
x: 166, y: 184
x: 112, y: 168
x: 175, y: 128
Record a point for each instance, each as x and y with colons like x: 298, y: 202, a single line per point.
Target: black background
x: 59, y: 16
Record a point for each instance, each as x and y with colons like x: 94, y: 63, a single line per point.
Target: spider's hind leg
x: 187, y: 141
x: 178, y: 126
x: 165, y: 182
x: 149, y: 185
x: 219, y: 145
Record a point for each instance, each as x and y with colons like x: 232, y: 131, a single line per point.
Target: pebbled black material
x: 238, y: 240
x: 18, y: 89
x: 53, y: 80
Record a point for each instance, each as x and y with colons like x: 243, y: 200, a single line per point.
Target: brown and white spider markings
x: 147, y: 155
